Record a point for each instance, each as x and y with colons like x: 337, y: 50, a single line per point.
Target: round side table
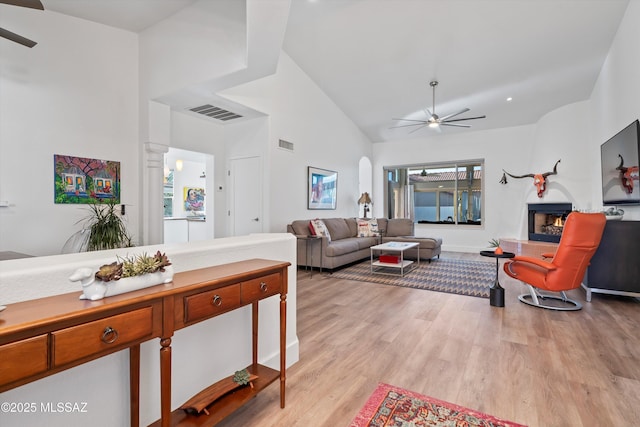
x: 496, y: 292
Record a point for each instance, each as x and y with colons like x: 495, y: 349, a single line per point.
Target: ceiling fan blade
x: 412, y: 124
x: 468, y: 118
x: 454, y: 114
x: 31, y: 4
x: 417, y: 129
x: 456, y: 125
x: 16, y: 38
x: 411, y: 120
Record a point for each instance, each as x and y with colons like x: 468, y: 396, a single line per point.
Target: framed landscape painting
x: 322, y: 188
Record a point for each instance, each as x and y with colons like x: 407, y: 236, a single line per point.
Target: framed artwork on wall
x: 82, y: 180
x: 322, y: 188
x: 194, y: 200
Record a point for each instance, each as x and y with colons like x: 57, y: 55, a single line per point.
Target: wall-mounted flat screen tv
x: 620, y: 157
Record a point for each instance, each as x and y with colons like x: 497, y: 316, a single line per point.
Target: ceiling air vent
x: 215, y: 112
x: 286, y: 145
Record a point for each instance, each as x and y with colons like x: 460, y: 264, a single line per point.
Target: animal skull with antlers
x: 626, y: 174
x: 539, y: 179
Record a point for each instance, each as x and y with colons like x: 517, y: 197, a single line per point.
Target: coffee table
x: 400, y: 268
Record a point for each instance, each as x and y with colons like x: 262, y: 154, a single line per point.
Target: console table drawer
x: 102, y: 335
x: 22, y: 359
x: 210, y: 303
x: 262, y: 287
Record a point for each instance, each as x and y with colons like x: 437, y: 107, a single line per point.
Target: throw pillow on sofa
x: 368, y: 228
x: 318, y: 228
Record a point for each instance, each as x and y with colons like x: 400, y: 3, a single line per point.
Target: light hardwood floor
x: 524, y: 364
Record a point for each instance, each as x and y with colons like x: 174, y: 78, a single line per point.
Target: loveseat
x: 348, y: 240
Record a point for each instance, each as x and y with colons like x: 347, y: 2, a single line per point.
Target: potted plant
x: 124, y: 275
x: 106, y: 226
x: 495, y: 243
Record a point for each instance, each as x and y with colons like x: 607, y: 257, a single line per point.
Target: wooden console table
x: 42, y: 337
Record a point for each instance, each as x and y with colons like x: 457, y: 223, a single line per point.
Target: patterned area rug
x: 394, y: 406
x: 463, y: 277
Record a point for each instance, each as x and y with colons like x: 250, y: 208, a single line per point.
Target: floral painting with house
x: 83, y: 180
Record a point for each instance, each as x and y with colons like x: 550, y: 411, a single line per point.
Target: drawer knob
x: 217, y: 300
x: 263, y: 286
x: 109, y: 335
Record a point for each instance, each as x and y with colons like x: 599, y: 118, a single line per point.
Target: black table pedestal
x: 496, y: 295
x: 496, y: 292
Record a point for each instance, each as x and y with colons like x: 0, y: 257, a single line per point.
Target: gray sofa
x: 345, y: 247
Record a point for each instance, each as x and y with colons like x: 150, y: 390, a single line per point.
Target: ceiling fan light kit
x: 434, y: 121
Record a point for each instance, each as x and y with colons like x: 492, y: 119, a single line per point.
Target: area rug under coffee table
x: 455, y: 276
x: 395, y: 406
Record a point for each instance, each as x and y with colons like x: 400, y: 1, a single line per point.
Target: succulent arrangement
x: 613, y: 213
x: 136, y: 265
x: 241, y: 377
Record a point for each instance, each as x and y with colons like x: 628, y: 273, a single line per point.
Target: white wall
x: 200, y: 42
x: 75, y: 93
x: 615, y: 101
x: 509, y: 148
x: 323, y: 137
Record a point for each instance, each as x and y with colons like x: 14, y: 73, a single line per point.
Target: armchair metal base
x: 533, y: 298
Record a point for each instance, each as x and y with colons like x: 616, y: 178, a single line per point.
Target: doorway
x: 245, y: 182
x: 188, y: 196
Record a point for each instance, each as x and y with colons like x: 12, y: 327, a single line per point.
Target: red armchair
x: 580, y: 239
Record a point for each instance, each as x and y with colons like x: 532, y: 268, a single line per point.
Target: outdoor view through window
x: 436, y: 193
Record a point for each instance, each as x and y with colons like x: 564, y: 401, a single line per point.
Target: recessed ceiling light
x: 509, y: 99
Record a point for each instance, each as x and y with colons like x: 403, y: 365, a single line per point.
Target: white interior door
x: 246, y: 194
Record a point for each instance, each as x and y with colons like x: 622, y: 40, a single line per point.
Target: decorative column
x: 153, y: 197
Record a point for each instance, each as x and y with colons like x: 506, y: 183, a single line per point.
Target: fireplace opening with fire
x: 546, y: 220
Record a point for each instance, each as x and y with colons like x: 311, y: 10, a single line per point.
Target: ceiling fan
x: 32, y: 4
x: 435, y: 121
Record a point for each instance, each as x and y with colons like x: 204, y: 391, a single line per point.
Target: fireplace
x: 546, y: 220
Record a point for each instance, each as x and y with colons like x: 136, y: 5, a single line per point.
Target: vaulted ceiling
x: 375, y: 58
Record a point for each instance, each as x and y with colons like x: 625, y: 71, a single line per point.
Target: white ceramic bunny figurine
x: 92, y: 289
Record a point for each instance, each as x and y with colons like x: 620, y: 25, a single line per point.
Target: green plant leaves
x: 108, y: 230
